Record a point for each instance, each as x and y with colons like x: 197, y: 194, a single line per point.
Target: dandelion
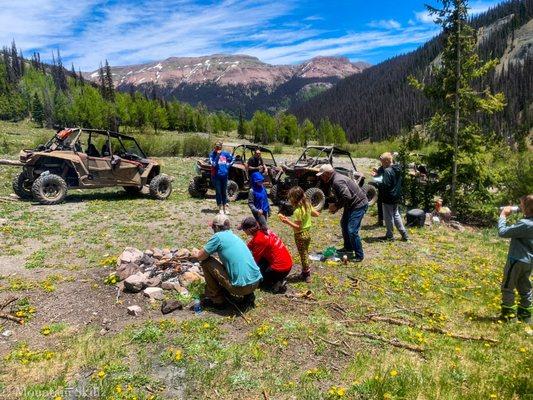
x: 393, y: 373
x: 118, y: 389
x: 178, y: 355
x: 58, y: 398
x: 101, y: 374
x: 522, y: 350
x: 493, y: 396
x: 387, y: 396
x: 206, y: 325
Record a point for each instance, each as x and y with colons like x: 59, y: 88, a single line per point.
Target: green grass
x: 287, y: 348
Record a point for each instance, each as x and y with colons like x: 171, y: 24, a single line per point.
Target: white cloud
x: 130, y: 32
x: 475, y: 8
x: 385, y: 24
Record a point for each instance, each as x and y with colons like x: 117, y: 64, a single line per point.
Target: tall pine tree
x: 458, y: 103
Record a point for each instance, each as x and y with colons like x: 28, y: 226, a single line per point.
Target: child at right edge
x: 517, y: 271
x: 301, y: 224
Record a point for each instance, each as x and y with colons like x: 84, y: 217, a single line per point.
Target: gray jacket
x: 521, y: 235
x: 348, y: 194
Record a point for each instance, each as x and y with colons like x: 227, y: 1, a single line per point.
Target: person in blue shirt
x: 258, y: 200
x: 221, y: 162
x: 517, y: 271
x: 236, y: 272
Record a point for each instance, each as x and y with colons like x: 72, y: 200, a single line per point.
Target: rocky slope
x: 233, y: 82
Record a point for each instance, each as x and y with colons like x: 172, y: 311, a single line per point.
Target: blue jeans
x: 221, y: 190
x: 350, y: 224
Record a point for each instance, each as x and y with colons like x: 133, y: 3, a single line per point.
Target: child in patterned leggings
x: 301, y: 224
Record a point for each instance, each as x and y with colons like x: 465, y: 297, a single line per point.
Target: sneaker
x: 306, y: 277
x: 405, y: 239
x: 386, y: 239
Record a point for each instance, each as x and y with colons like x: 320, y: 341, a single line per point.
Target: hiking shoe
x: 280, y: 287
x: 386, y: 239
x: 405, y: 239
x: 206, y: 302
x: 247, y: 301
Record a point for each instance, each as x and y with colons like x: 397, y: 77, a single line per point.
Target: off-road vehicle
x: 238, y: 178
x: 71, y: 159
x: 303, y: 173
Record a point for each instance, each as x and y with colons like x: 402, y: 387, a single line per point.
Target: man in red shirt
x: 270, y: 254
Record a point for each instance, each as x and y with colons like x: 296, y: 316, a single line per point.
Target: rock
x: 196, y: 269
x: 130, y: 255
x: 183, y: 253
x: 148, y: 261
x: 170, y: 305
x: 126, y: 270
x: 103, y: 331
x: 158, y: 253
x: 155, y: 293
x: 155, y: 281
x: 135, y: 311
x: 3, y: 221
x: 135, y: 283
x: 457, y: 226
x: 7, y: 333
x: 171, y: 285
x: 189, y: 277
x: 148, y: 253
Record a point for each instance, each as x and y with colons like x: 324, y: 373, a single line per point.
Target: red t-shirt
x: 270, y: 247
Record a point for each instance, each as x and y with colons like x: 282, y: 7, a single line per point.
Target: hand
x: 374, y: 172
x: 332, y: 207
x: 195, y: 253
x: 260, y: 212
x: 506, y: 211
x: 282, y: 218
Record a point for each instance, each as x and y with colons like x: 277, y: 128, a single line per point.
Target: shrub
x: 278, y: 149
x: 196, y: 146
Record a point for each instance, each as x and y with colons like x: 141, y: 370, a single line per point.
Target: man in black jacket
x: 352, y: 198
x: 391, y: 193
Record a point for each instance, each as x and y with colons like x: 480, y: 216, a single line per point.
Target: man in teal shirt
x: 236, y: 272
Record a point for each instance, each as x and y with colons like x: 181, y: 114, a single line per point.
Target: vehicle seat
x: 105, y: 150
x: 92, y: 151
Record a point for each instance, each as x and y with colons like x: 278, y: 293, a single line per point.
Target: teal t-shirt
x: 236, y: 257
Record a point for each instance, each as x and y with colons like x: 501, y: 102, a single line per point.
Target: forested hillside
x: 379, y: 102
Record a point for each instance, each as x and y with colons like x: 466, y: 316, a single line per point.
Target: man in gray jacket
x: 352, y: 198
x: 519, y: 262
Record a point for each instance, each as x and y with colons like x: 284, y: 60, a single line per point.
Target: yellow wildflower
x: 393, y: 373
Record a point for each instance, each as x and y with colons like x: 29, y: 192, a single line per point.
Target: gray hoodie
x: 521, y: 235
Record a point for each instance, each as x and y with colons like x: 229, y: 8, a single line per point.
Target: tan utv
x: 87, y: 159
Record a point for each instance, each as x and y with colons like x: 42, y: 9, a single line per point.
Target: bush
x: 196, y: 146
x: 161, y: 145
x: 278, y: 149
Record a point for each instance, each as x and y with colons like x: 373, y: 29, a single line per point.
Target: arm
x: 513, y: 231
x: 296, y: 225
x: 201, y: 255
x: 251, y: 201
x: 315, y: 213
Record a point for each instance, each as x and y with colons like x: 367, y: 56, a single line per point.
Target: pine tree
x: 101, y: 81
x: 458, y: 103
x: 37, y: 110
x: 60, y: 77
x: 241, y: 130
x: 109, y: 88
x: 307, y: 132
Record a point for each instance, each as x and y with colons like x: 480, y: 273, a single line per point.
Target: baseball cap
x: 325, y: 168
x: 247, y: 223
x: 218, y: 144
x: 220, y: 220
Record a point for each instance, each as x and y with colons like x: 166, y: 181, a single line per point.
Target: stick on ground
x: 392, y: 342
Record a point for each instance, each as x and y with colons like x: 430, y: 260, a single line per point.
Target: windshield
x: 313, y: 156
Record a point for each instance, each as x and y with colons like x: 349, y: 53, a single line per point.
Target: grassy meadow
x: 412, y: 321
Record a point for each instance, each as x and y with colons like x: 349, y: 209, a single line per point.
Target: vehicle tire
x: 133, y: 190
x: 232, y: 191
x: 274, y: 194
x: 317, y: 197
x: 49, y: 189
x: 22, y: 186
x: 371, y: 193
x: 196, y: 189
x: 161, y: 187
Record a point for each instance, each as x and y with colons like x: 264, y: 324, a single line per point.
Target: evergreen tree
x: 37, y: 110
x: 101, y: 81
x: 241, y: 131
x: 109, y: 88
x: 457, y: 103
x: 307, y: 132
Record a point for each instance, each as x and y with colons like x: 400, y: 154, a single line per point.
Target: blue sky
x: 278, y: 32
